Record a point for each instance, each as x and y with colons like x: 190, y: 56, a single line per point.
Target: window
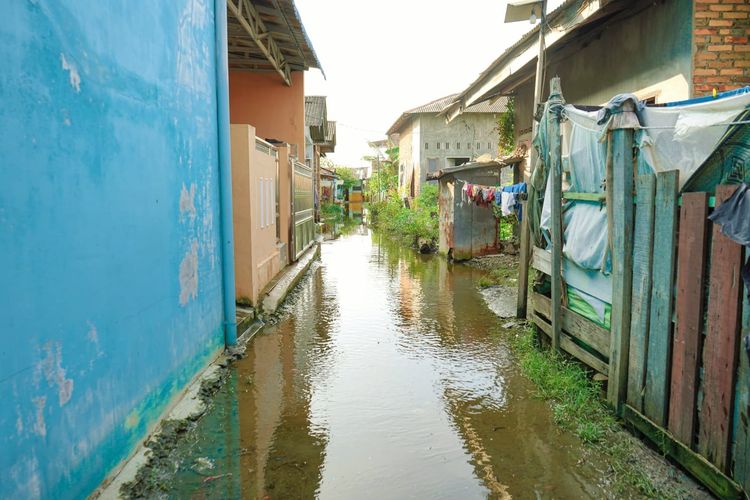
x: 447, y: 145
x: 427, y: 145
x: 458, y: 145
x: 489, y: 145
x: 468, y: 145
x: 479, y: 146
x: 438, y: 145
x: 431, y: 164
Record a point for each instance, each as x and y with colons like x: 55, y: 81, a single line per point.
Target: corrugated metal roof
x: 315, y: 110
x: 563, y: 17
x: 282, y: 21
x: 438, y: 105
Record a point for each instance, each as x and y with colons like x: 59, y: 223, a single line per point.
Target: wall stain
x: 75, y: 78
x: 187, y: 202
x: 40, y: 427
x: 51, y: 367
x: 189, y: 275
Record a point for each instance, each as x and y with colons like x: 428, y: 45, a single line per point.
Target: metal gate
x: 304, y: 223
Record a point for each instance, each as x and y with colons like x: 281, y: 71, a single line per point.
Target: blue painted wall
x: 110, y: 263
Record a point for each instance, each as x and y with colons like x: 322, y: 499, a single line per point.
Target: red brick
x: 719, y: 48
x: 721, y: 7
x: 732, y: 71
x: 734, y: 15
x: 742, y: 48
x: 706, y: 31
x: 742, y: 64
x: 744, y: 8
x: 704, y: 72
x: 708, y: 14
x: 718, y: 22
x: 735, y: 39
x: 705, y: 56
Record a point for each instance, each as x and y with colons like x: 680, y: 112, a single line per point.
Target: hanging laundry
x: 517, y: 188
x: 508, y: 203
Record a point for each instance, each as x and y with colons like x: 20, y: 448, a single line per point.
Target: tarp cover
x: 680, y: 136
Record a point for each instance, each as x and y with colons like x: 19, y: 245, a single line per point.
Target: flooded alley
x: 385, y: 377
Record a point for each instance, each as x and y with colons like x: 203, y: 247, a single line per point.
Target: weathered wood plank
x: 620, y: 214
x: 567, y: 345
x: 541, y: 260
x: 741, y: 472
x: 576, y: 325
x: 555, y: 177
x: 658, y: 353
x: 523, y: 265
x: 643, y: 241
x: 686, y: 347
x: 707, y: 474
x: 721, y: 347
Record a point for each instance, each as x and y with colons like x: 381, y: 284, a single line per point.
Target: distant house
x: 320, y: 138
x: 427, y: 143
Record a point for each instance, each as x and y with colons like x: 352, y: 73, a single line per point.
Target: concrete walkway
x: 288, y: 279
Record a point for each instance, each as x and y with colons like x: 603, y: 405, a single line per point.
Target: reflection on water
x: 389, y: 378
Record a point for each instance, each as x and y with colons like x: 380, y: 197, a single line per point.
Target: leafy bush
x: 410, y: 224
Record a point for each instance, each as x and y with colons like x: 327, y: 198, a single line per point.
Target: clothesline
x: 507, y: 197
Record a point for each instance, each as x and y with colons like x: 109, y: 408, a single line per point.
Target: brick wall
x: 721, y: 58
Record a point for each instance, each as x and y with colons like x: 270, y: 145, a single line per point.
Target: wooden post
x: 525, y: 250
x: 641, y: 301
x: 555, y: 177
x: 659, y: 350
x: 620, y: 167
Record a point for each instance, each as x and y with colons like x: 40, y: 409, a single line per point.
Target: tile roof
x: 438, y: 105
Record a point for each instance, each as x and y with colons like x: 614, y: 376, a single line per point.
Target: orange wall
x: 263, y: 100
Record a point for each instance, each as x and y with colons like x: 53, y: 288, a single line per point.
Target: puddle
x: 386, y: 377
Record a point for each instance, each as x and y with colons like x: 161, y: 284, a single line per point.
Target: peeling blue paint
x: 109, y: 175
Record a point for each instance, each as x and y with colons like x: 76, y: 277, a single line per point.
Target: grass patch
x: 578, y: 407
x: 497, y: 276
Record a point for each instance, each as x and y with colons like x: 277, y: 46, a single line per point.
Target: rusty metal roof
x: 316, y: 117
x: 268, y: 35
x: 438, y: 105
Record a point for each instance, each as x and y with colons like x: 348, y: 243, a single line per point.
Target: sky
x: 383, y: 57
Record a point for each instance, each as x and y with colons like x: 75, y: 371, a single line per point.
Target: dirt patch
x: 501, y: 300
x: 491, y: 262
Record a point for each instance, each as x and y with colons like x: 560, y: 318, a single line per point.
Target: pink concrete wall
x: 254, y: 205
x: 263, y: 100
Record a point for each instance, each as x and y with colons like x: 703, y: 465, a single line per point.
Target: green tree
x: 506, y: 126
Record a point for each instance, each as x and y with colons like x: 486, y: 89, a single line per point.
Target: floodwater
x: 387, y: 377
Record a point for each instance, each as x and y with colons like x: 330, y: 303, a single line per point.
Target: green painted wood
x: 555, y: 173
x: 643, y: 241
x: 620, y: 212
x: 741, y: 471
x: 692, y: 255
x: 719, y: 484
x: 659, y: 350
x: 721, y: 346
x: 592, y: 197
x: 569, y: 346
x: 576, y: 325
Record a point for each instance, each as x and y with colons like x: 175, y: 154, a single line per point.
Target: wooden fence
x: 673, y: 359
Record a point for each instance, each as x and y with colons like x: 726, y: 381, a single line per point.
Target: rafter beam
x: 247, y: 15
